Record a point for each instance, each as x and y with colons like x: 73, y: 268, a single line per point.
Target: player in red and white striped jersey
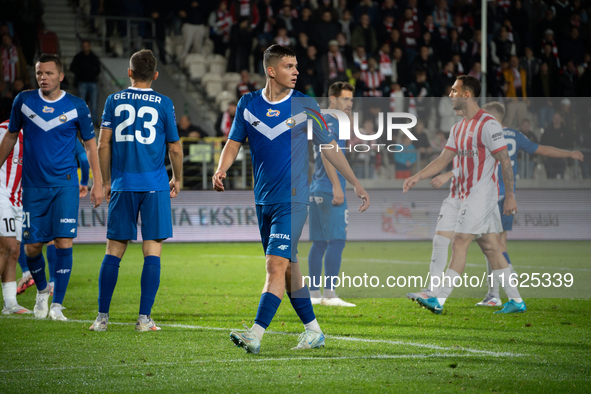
x: 478, y: 143
x: 11, y: 222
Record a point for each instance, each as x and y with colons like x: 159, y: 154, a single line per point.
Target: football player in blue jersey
x: 51, y: 119
x: 516, y: 141
x: 27, y: 280
x: 273, y: 119
x: 328, y: 208
x: 135, y: 179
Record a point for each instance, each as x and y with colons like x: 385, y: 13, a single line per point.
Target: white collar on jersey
x: 276, y: 102
x: 50, y: 101
x: 140, y: 89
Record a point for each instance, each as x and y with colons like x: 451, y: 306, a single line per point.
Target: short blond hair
x: 495, y: 106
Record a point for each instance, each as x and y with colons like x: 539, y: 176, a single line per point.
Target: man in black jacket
x: 87, y: 67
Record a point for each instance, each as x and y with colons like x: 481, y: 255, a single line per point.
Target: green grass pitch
x: 382, y: 345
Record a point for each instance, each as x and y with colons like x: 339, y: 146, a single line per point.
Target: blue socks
x: 22, y: 259
x: 150, y: 283
x: 63, y: 270
x: 37, y: 268
x: 332, y: 260
x: 315, y: 263
x: 507, y: 257
x: 300, y: 300
x: 51, y: 262
x: 107, y: 281
x: 267, y: 308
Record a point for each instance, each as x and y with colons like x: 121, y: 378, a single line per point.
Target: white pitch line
x: 259, y: 359
x: 339, y: 338
x: 401, y: 262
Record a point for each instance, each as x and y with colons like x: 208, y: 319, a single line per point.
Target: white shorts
x: 11, y: 219
x: 478, y: 216
x: 448, y: 215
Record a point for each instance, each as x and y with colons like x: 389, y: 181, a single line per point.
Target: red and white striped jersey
x: 475, y: 142
x: 12, y: 170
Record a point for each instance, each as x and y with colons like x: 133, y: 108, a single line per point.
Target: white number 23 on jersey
x: 149, y: 125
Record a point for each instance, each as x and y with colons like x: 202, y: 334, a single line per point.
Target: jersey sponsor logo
x: 497, y: 136
x: 62, y: 271
x: 283, y: 247
x: 48, y: 110
x: 18, y: 160
x: 468, y: 152
x: 280, y: 236
x: 63, y: 118
x: 273, y: 113
x: 66, y: 220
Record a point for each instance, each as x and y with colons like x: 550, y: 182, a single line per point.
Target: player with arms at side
x: 328, y: 207
x: 136, y: 181
x: 51, y: 119
x: 27, y: 280
x: 275, y: 127
x: 479, y: 143
x: 11, y: 223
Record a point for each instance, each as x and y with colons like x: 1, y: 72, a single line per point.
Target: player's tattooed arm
x: 510, y: 206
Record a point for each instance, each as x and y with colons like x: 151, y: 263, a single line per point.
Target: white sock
x: 315, y: 294
x: 46, y: 290
x: 438, y: 257
x: 447, y: 285
x: 313, y: 326
x: 26, y: 273
x: 54, y: 305
x: 9, y: 294
x: 493, y: 286
x: 258, y: 330
x: 329, y: 293
x: 511, y: 291
x: 441, y: 301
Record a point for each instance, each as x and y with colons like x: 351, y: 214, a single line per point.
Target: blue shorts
x: 281, y: 226
x: 506, y: 220
x: 49, y: 213
x: 327, y: 221
x: 124, y: 208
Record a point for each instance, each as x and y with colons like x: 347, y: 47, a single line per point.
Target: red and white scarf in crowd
x: 224, y: 23
x: 268, y: 28
x: 385, y: 64
x: 372, y: 80
x: 9, y: 61
x: 226, y: 123
x: 554, y: 47
x: 408, y: 28
x: 442, y: 19
x: 284, y: 41
x: 335, y: 64
x: 504, y: 4
x: 360, y: 62
x: 397, y: 101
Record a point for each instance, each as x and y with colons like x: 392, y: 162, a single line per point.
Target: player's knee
x: 460, y: 241
x: 336, y: 245
x: 277, y: 266
x: 32, y: 250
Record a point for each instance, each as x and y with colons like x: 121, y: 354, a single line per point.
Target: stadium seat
x: 231, y: 80
x: 213, y: 88
x: 226, y: 95
x: 197, y: 70
x: 209, y: 77
x: 194, y: 58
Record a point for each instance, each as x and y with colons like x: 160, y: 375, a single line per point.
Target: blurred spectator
x: 384, y: 30
x: 362, y: 160
x: 476, y: 70
x: 389, y: 9
x: 241, y: 37
x: 186, y: 129
x: 282, y: 38
x: 474, y: 51
x: 241, y: 9
x: 585, y: 76
x: 395, y: 40
x: 396, y: 98
x: 304, y: 24
x: 427, y: 41
x: 438, y: 143
x: 194, y: 18
x: 12, y: 62
x: 86, y: 66
x: 422, y: 143
x: 551, y: 60
x: 501, y: 48
x: 544, y: 87
x: 157, y: 11
x: 345, y: 48
x: 531, y: 65
x: 360, y: 58
x: 463, y: 28
x: 220, y: 22
x: 442, y: 18
x: 346, y: 22
x: 369, y: 8
x: 406, y: 158
x: 223, y: 125
x: 429, y: 26
x: 400, y: 69
x: 371, y: 81
x: 301, y: 47
x: 286, y: 17
x: 410, y: 31
x: 426, y: 63
x: 326, y: 30
x: 267, y: 22
x: 310, y: 80
x: 572, y: 47
x: 453, y: 46
x: 555, y: 135
x: 364, y: 35
x: 569, y: 80
x: 245, y: 85
x: 446, y: 78
x: 515, y: 79
x: 385, y: 63
x: 334, y: 64
x: 420, y: 89
x: 459, y: 69
x: 549, y: 40
x: 570, y: 119
x: 327, y: 6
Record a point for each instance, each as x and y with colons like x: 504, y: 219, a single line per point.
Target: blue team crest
x: 63, y: 118
x: 273, y: 113
x: 47, y: 110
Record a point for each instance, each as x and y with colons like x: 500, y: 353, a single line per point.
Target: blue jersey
x: 50, y: 130
x: 277, y: 135
x: 82, y: 162
x: 320, y: 180
x: 515, y: 141
x: 142, y: 121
